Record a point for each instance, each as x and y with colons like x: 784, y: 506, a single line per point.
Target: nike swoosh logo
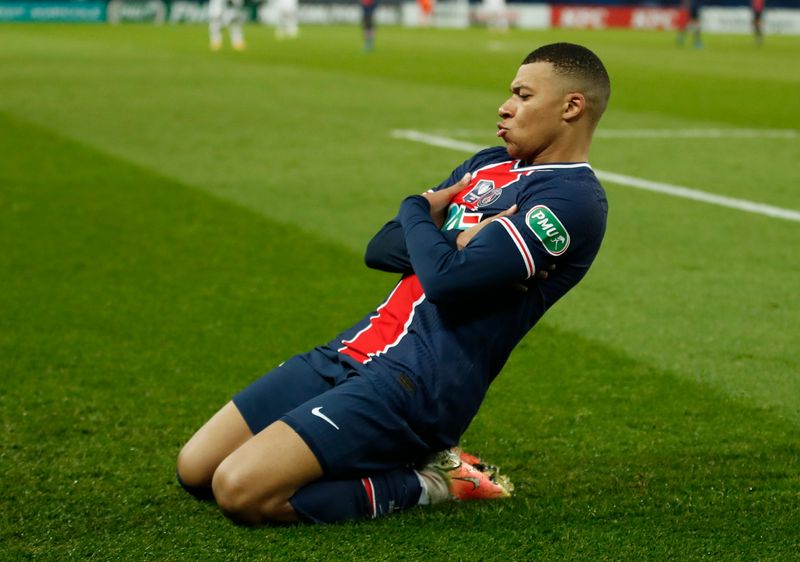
x: 316, y: 411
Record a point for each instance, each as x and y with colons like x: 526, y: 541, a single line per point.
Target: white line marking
x: 436, y: 140
x: 704, y: 196
x: 664, y: 133
x: 630, y: 181
x: 696, y: 133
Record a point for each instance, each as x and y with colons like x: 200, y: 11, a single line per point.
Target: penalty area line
x: 621, y: 179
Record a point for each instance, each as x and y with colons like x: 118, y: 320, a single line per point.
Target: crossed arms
x: 452, y: 264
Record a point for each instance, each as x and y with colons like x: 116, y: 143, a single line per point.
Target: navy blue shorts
x: 356, y: 424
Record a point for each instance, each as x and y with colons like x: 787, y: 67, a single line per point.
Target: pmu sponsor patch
x: 547, y: 228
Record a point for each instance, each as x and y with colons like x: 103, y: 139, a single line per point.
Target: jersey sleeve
x: 510, y: 249
x: 387, y: 250
x: 447, y: 274
x: 553, y: 230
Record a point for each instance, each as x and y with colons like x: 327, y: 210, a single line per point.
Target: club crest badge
x: 548, y: 229
x: 482, y: 194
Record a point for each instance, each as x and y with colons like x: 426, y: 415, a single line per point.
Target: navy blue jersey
x: 449, y: 325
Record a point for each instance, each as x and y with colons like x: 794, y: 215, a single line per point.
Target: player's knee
x: 246, y: 502
x: 192, y: 471
x: 236, y: 496
x: 231, y: 492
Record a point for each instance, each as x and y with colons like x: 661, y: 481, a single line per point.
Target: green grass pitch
x: 174, y: 222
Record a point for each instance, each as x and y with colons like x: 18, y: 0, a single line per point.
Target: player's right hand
x: 440, y: 200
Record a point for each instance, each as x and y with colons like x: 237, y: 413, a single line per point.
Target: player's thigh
x: 357, y: 427
x: 218, y: 438
x: 254, y: 408
x: 254, y: 483
x: 361, y: 426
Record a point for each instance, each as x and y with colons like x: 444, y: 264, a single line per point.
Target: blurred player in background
x: 368, y: 8
x: 426, y: 8
x: 691, y: 23
x: 369, y: 423
x: 230, y: 14
x: 758, y: 11
x: 496, y: 14
x: 286, y: 12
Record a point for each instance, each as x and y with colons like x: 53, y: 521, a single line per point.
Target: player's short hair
x: 583, y: 67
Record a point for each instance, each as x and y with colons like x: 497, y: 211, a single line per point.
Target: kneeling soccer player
x: 369, y: 423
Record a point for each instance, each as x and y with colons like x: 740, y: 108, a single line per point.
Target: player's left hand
x: 440, y: 200
x: 467, y: 235
x: 541, y: 274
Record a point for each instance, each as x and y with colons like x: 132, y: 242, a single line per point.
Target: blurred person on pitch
x: 286, y: 13
x: 496, y: 14
x: 691, y: 23
x: 368, y: 424
x: 368, y: 8
x: 230, y: 14
x: 426, y: 9
x: 758, y: 11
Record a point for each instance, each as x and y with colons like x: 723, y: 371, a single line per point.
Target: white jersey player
x: 496, y: 14
x: 230, y: 14
x: 286, y: 19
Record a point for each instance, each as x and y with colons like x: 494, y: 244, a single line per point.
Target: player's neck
x: 562, y: 155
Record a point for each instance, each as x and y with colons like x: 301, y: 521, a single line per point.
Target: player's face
x: 531, y: 117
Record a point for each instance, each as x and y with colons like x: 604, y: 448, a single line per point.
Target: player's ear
x: 574, y: 106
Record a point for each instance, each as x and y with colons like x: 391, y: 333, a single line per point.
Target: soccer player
x: 691, y: 23
x: 226, y: 13
x: 368, y: 8
x: 758, y: 11
x: 367, y: 424
x: 287, y: 26
x: 496, y: 14
x: 426, y: 9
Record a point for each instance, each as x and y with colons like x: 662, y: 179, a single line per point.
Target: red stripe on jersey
x: 370, y: 490
x: 519, y: 242
x: 390, y: 323
x: 501, y: 173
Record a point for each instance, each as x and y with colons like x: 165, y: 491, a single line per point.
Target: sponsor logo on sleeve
x: 548, y: 229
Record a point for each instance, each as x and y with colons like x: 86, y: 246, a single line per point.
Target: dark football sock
x: 331, y: 501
